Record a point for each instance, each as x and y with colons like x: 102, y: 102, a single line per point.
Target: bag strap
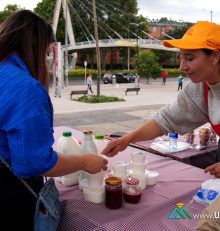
x: 23, y: 181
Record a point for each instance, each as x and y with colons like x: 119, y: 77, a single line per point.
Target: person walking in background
x: 180, y: 82
x: 164, y: 75
x: 26, y: 120
x: 89, y: 82
x: 137, y: 81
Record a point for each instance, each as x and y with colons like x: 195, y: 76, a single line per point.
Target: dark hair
x: 207, y: 51
x: 28, y: 35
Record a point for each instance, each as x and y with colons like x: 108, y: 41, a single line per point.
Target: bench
x: 78, y: 92
x: 137, y: 89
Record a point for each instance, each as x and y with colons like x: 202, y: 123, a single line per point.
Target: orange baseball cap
x: 201, y: 35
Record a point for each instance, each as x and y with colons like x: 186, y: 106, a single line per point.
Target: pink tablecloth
x: 177, y: 183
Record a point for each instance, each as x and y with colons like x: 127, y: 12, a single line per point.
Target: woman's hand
x: 115, y: 146
x: 214, y: 169
x: 94, y: 163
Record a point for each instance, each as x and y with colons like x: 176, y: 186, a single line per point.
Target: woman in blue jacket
x: 26, y: 119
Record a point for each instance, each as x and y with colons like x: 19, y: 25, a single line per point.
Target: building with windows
x: 156, y: 28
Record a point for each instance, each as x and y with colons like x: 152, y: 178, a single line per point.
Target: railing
x: 142, y: 43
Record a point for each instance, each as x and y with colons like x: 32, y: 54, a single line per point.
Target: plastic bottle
x: 68, y: 145
x: 173, y: 138
x: 88, y: 145
x: 100, y: 142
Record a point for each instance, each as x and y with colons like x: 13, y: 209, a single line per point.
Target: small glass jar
x: 190, y: 136
x: 113, y: 192
x: 204, y: 135
x: 132, y: 192
x: 213, y: 136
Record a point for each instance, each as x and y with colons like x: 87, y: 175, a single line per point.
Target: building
x: 158, y: 28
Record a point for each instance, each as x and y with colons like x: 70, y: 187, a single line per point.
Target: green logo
x: 179, y: 212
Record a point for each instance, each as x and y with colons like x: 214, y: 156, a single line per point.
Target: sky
x: 186, y: 10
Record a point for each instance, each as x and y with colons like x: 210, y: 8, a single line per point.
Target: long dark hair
x: 28, y: 35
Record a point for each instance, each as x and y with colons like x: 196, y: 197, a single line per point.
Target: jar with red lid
x: 132, y: 192
x: 113, y: 192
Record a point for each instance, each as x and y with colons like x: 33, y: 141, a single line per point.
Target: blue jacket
x: 26, y: 120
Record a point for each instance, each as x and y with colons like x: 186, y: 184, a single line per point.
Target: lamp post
x: 137, y: 50
x: 210, y: 13
x: 85, y: 65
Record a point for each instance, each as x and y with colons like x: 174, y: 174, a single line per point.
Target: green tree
x: 148, y: 65
x: 8, y: 10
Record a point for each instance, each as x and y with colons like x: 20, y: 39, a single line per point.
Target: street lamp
x: 85, y: 65
x: 210, y: 13
x: 137, y: 50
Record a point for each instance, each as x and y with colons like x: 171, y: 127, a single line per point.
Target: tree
x: 148, y: 65
x: 8, y: 10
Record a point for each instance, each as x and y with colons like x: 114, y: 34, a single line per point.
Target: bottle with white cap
x: 68, y: 145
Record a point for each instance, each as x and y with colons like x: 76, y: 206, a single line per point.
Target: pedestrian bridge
x: 141, y: 43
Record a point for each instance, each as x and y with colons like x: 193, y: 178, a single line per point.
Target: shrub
x: 99, y: 99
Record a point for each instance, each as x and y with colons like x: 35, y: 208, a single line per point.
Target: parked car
x: 120, y: 78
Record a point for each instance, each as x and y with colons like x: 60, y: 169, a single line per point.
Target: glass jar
x: 204, y: 135
x: 132, y: 192
x: 113, y: 192
x: 190, y: 136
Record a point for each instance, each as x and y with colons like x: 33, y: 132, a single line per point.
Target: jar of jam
x: 132, y: 192
x: 113, y: 192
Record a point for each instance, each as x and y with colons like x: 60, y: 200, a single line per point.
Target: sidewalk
x: 150, y: 94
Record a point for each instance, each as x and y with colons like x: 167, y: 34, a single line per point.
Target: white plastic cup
x: 152, y: 178
x: 120, y: 169
x: 138, y: 157
x: 95, y: 180
x: 139, y: 168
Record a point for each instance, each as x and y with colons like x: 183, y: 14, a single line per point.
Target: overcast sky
x: 186, y: 10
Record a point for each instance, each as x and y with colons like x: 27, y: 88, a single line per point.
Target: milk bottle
x: 100, y: 142
x: 68, y: 145
x: 88, y: 145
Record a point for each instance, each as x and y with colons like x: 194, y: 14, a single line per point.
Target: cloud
x: 187, y: 10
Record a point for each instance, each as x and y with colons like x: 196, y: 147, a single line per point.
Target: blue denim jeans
x: 48, y: 210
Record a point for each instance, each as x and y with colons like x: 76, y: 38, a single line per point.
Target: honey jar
x: 113, y: 192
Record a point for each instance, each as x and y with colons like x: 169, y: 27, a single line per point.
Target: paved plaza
x: 117, y: 116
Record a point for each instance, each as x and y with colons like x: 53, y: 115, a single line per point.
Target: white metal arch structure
x: 142, y: 43
x: 68, y: 22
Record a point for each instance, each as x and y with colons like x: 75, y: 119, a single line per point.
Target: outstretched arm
x: 148, y: 131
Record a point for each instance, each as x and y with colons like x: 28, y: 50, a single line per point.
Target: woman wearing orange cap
x: 199, y: 100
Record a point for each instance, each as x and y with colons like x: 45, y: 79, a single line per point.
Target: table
x: 177, y: 183
x: 193, y: 156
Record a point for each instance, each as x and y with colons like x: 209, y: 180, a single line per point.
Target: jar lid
x: 132, y: 181
x: 87, y: 131
x: 173, y: 135
x: 99, y: 136
x: 67, y: 133
x: 113, y: 181
x: 204, y: 130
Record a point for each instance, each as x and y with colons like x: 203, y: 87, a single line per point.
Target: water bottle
x: 88, y: 145
x: 68, y: 145
x: 100, y: 142
x: 173, y: 138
